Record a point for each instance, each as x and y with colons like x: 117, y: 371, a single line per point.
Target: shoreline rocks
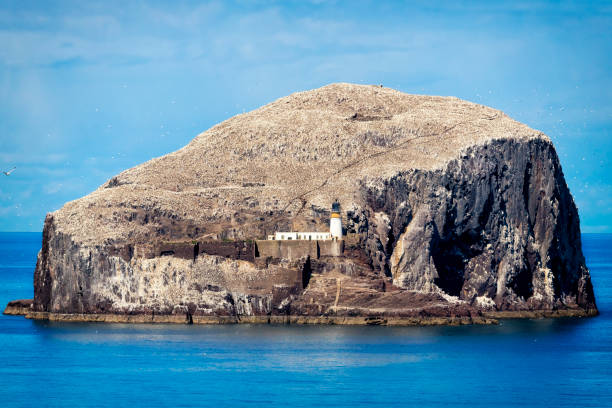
x: 23, y: 308
x: 20, y: 307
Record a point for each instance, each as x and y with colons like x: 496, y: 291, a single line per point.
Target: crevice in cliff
x: 196, y: 251
x: 521, y: 283
x: 388, y: 252
x: 558, y: 268
x: 306, y: 273
x: 526, y: 189
x: 487, y: 209
x: 450, y: 256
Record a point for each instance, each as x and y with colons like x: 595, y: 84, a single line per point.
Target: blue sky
x: 88, y: 89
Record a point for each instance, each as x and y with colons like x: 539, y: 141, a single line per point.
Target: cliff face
x: 498, y: 228
x: 451, y: 209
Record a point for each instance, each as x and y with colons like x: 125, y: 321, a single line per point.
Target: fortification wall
x: 287, y: 249
x: 268, y: 248
x: 290, y: 249
x: 331, y: 248
x: 243, y: 250
x: 248, y: 250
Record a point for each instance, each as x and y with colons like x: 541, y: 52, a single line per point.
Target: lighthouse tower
x: 335, y: 222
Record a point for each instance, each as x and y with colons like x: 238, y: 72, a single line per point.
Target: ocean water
x: 563, y: 362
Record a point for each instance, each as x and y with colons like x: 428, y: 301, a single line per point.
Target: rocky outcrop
x: 19, y: 307
x: 497, y: 228
x: 453, y: 213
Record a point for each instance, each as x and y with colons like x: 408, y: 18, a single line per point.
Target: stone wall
x: 242, y: 250
x: 289, y: 249
x: 331, y: 248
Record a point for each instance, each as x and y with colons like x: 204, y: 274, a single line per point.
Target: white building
x: 335, y: 230
x: 307, y: 236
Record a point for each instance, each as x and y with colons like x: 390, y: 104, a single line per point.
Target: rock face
x: 450, y: 209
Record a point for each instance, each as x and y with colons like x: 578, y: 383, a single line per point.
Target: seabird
x: 8, y: 172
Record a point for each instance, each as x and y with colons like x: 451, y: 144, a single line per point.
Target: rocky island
x: 451, y: 213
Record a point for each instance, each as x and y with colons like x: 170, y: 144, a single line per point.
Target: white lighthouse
x: 335, y: 221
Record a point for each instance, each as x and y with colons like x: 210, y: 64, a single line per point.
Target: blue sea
x: 557, y: 363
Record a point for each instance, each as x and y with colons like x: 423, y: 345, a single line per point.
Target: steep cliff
x: 452, y: 209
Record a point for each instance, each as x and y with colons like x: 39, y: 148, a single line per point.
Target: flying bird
x: 8, y: 172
